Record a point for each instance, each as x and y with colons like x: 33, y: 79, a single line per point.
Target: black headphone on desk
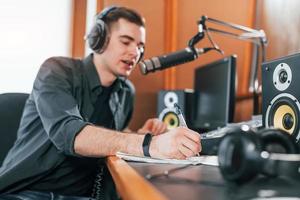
x: 244, y: 153
x: 99, y: 35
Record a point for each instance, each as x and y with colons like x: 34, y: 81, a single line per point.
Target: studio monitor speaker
x: 281, y: 94
x: 165, y: 108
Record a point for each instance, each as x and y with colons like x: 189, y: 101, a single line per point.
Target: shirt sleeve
x: 57, y: 108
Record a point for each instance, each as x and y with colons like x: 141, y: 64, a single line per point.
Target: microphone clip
x: 200, y: 35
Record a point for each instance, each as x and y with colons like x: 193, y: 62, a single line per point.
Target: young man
x: 76, y: 114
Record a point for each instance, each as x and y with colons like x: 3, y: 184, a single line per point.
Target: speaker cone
x: 169, y: 117
x: 285, y: 118
x: 283, y: 113
x: 171, y: 120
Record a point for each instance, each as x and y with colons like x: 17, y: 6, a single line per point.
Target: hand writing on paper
x: 178, y: 143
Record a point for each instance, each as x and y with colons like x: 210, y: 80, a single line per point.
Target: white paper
x: 205, y: 160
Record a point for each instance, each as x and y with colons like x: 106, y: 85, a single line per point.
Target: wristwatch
x: 146, y: 144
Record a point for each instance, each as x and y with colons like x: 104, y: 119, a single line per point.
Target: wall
x: 31, y: 31
x: 281, y: 21
x: 234, y: 11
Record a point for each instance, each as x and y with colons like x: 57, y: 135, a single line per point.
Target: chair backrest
x: 11, y: 109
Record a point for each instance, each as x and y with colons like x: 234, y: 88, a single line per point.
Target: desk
x: 191, y: 183
x: 130, y: 185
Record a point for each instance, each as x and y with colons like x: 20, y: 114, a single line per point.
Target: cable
x: 166, y: 172
x: 165, y: 177
x: 97, y: 192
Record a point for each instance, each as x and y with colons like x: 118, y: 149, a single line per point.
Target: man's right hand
x: 178, y: 143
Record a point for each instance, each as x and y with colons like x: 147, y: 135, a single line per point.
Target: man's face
x: 124, y: 48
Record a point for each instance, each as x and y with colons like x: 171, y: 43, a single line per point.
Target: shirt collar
x: 94, y: 79
x: 91, y: 72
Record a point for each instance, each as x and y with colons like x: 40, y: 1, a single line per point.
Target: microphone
x: 171, y: 59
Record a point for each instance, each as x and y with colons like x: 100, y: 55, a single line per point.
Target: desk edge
x: 129, y: 183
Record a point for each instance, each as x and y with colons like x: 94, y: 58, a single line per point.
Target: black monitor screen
x: 214, y: 87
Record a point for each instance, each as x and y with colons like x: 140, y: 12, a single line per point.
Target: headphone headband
x: 106, y: 11
x: 282, y: 164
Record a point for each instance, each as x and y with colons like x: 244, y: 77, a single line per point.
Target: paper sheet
x: 205, y: 160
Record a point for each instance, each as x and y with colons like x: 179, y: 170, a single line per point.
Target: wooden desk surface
x: 130, y: 185
x: 191, y: 183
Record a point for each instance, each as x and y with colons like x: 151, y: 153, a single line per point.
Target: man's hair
x: 124, y: 13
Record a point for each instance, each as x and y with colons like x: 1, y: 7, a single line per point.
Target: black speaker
x: 245, y: 153
x: 165, y: 107
x: 281, y: 94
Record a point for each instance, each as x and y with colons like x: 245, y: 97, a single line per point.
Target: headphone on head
x: 99, y: 35
x: 245, y: 153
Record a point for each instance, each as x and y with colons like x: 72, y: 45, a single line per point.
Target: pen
x: 180, y: 115
x: 181, y: 118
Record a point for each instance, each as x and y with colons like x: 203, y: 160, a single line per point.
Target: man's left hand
x: 153, y: 125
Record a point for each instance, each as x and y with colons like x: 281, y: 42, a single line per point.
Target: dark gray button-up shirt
x: 60, y: 105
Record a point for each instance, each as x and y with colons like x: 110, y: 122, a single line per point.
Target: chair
x: 11, y: 109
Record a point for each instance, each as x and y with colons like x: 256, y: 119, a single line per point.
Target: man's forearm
x: 95, y: 141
